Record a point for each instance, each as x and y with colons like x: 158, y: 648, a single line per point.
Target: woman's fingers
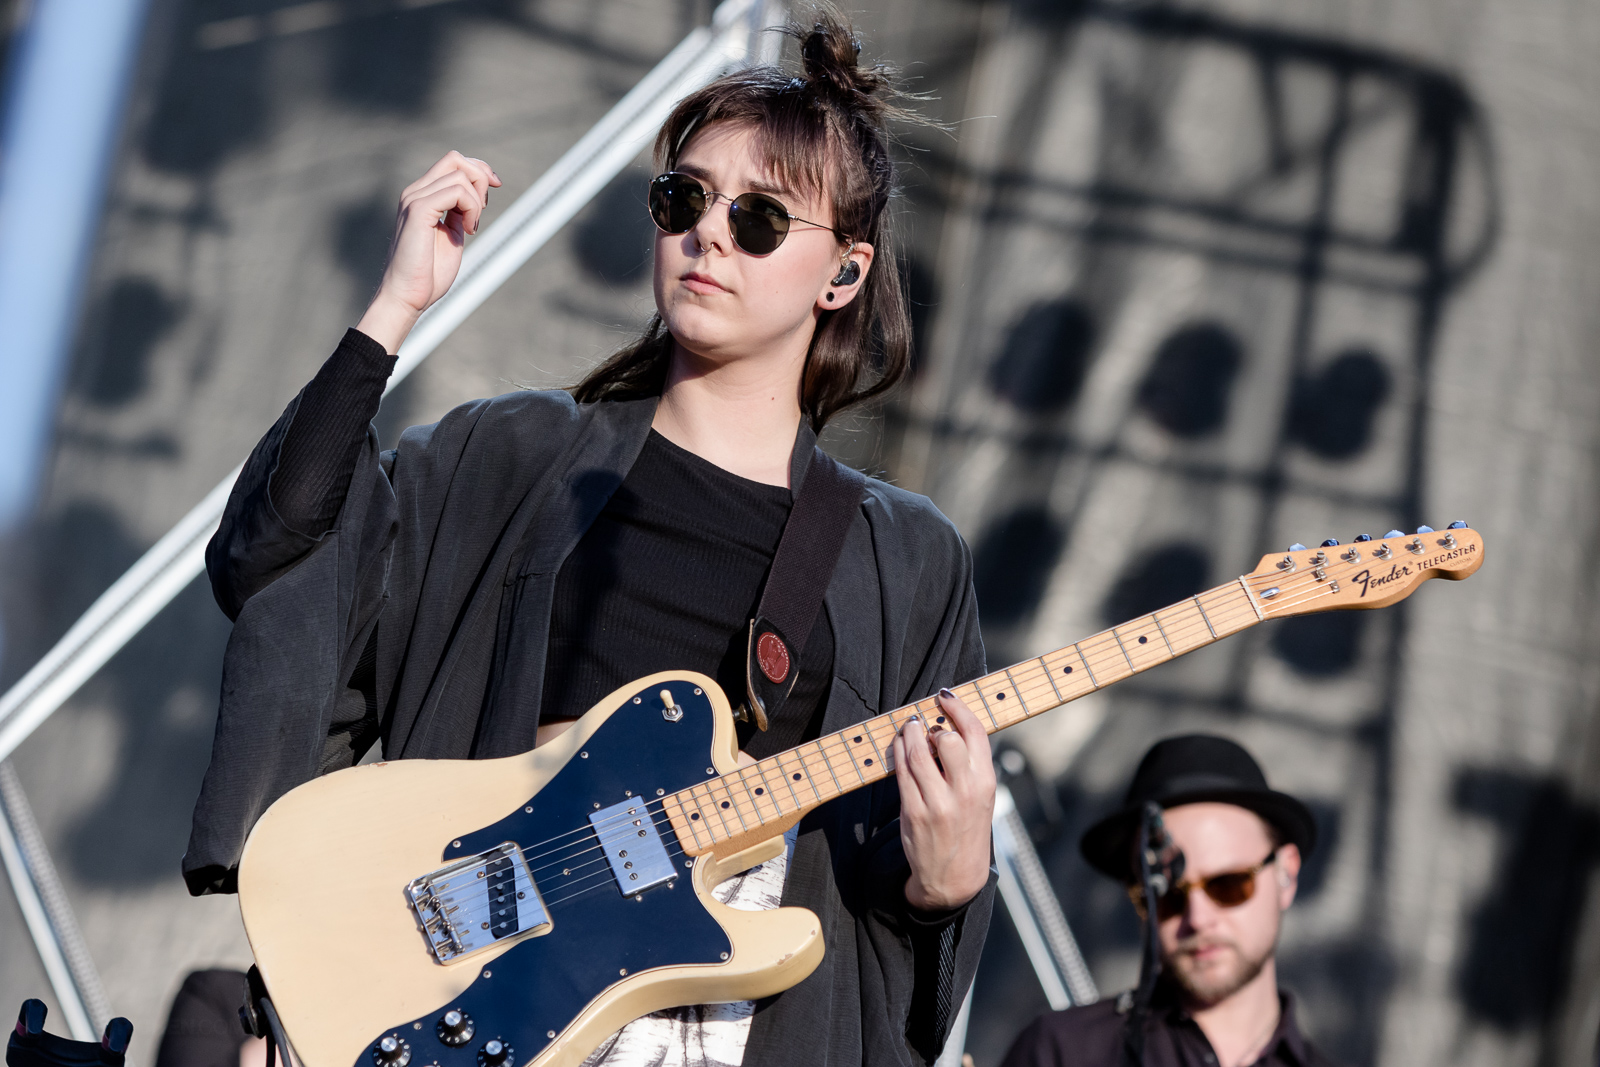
x: 451, y: 192
x: 456, y: 169
x: 912, y: 806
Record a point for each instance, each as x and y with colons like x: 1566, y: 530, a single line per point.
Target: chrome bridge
x: 477, y: 902
x: 633, y: 847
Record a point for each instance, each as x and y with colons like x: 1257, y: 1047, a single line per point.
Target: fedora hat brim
x: 1108, y: 844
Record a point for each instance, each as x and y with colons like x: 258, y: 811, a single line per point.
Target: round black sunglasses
x: 757, y: 221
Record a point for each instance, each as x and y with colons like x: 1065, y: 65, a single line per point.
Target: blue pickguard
x: 533, y: 991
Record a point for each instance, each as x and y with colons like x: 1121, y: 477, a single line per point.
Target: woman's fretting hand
x: 436, y: 213
x: 945, y: 813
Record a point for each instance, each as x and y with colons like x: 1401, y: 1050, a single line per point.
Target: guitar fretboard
x: 742, y: 804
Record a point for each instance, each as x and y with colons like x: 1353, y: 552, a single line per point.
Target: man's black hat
x: 1189, y: 770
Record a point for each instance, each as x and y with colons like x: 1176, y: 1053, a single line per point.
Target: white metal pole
x: 175, y: 560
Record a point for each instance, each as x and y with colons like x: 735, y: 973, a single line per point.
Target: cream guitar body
x: 351, y: 958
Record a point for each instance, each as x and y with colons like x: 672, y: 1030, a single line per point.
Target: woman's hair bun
x: 830, y: 52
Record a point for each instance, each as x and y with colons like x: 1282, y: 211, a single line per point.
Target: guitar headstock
x: 1363, y: 574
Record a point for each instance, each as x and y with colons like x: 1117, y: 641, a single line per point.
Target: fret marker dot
x: 694, y: 815
x: 724, y: 803
x: 940, y: 719
x: 1066, y: 670
x: 857, y: 739
x: 869, y: 761
x: 759, y: 790
x: 797, y: 777
x: 1143, y: 639
x: 1000, y: 696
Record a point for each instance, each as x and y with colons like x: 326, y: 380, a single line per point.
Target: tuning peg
x: 1424, y: 529
x: 1457, y: 525
x: 1394, y: 533
x: 1362, y: 538
x: 1332, y: 542
x: 1297, y: 547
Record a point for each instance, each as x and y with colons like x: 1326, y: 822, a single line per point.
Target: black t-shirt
x: 1091, y: 1036
x: 668, y: 578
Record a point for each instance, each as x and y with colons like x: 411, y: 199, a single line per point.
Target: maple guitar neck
x: 756, y: 802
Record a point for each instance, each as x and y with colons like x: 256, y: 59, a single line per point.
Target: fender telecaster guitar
x: 515, y: 912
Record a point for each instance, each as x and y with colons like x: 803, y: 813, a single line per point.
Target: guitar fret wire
x: 987, y: 710
x: 1078, y: 645
x: 1155, y: 617
x: 1203, y: 615
x: 1049, y: 677
x: 1260, y: 615
x: 1016, y: 691
x: 1124, y: 649
x: 788, y: 781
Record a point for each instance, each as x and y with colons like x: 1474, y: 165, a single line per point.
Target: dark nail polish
x: 947, y: 693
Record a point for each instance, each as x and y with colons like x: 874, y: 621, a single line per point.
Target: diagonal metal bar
x: 1035, y: 911
x: 48, y: 915
x: 174, y: 561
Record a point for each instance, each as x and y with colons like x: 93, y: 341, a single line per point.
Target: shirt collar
x: 1287, y: 1035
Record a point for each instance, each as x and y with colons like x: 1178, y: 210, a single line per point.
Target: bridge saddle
x: 477, y: 902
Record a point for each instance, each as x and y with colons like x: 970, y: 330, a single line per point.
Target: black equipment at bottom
x: 31, y: 1046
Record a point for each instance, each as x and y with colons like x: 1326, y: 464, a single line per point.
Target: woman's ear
x: 846, y: 283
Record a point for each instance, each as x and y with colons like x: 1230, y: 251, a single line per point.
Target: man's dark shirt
x: 1091, y: 1036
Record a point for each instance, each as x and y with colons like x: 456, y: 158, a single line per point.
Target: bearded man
x: 1217, y: 1003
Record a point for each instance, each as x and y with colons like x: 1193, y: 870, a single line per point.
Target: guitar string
x: 568, y: 861
x: 1105, y: 640
x: 598, y: 876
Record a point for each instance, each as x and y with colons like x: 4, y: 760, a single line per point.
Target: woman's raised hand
x: 436, y: 213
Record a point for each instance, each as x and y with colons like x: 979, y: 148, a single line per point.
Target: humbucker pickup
x: 633, y: 846
x: 477, y: 902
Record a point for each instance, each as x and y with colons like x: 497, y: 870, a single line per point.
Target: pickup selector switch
x: 454, y: 1028
x: 496, y: 1053
x: 391, y: 1051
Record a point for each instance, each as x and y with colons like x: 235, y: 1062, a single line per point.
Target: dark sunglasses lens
x: 1231, y: 890
x: 676, y: 202
x: 1172, y: 903
x: 759, y: 223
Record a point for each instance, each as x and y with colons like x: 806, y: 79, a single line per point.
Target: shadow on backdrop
x: 1132, y: 208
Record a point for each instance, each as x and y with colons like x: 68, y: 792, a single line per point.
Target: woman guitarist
x: 472, y: 592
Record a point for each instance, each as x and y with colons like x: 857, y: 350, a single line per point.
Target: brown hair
x: 824, y: 132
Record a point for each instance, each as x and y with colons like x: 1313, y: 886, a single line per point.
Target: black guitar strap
x: 803, y: 566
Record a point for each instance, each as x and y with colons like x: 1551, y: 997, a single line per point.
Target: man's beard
x: 1217, y: 979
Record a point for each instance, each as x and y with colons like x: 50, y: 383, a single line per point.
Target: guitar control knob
x: 391, y: 1052
x: 454, y: 1028
x: 496, y: 1053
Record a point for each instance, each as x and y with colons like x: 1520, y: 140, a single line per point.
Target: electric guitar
x: 515, y: 912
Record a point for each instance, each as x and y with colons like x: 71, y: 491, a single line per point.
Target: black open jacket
x: 397, y: 625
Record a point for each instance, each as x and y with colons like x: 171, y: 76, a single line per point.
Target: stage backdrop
x: 1190, y: 282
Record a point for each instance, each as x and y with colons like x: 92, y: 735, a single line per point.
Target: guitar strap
x: 803, y: 566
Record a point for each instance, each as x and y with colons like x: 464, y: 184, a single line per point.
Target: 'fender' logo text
x: 1401, y: 571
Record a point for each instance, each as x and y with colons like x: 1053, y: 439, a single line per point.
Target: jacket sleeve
x: 298, y: 695
x: 937, y: 953
x: 291, y: 489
